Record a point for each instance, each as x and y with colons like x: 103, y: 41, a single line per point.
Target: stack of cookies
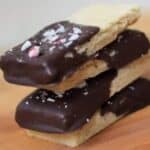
x: 88, y: 70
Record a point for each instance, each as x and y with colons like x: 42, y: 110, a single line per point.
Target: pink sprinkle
x: 34, y: 51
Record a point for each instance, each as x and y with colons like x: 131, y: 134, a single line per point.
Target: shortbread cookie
x: 128, y: 46
x: 51, y: 112
x: 56, y: 51
x: 132, y: 98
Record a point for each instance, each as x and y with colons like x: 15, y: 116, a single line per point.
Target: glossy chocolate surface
x: 132, y: 98
x: 45, y: 111
x: 130, y: 45
x: 48, y: 56
x: 46, y: 59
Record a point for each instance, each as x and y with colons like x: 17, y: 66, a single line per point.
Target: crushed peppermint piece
x: 85, y: 93
x: 87, y: 120
x: 66, y: 106
x: 60, y: 95
x: 61, y: 29
x: 109, y: 102
x: 73, y: 37
x: 82, y: 85
x: 69, y: 55
x: 49, y: 33
x: 77, y: 30
x: 52, y: 48
x: 27, y: 102
x: 43, y: 100
x: 26, y: 45
x: 19, y: 60
x: 113, y: 53
x: 62, y: 40
x: 68, y: 44
x: 132, y: 88
x: 34, y: 51
x: 51, y: 100
x: 53, y: 38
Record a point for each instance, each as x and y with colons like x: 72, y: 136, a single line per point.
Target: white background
x: 21, y: 18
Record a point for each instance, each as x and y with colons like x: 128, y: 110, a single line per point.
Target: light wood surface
x: 130, y: 133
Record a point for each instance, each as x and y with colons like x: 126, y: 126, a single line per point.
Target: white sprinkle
x: 109, y: 102
x: 53, y: 38
x: 69, y: 55
x: 113, y: 53
x: 68, y: 44
x: 60, y: 95
x: 34, y: 51
x: 63, y: 40
x: 51, y: 100
x: 52, y: 48
x: 19, y: 60
x: 27, y: 103
x: 85, y: 93
x: 66, y: 106
x: 87, y: 120
x: 61, y: 29
x: 26, y: 45
x: 82, y: 85
x: 132, y: 88
x: 73, y: 37
x: 49, y: 33
x: 43, y: 101
x: 77, y: 30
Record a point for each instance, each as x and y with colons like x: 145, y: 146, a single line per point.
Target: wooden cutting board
x: 130, y: 133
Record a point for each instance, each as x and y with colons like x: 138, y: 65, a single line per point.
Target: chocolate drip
x: 57, y: 59
x: 129, y: 46
x: 49, y: 112
x: 132, y: 98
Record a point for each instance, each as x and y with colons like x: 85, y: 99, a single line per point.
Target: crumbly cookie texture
x: 73, y: 139
x: 110, y: 24
x: 97, y: 123
x: 91, y: 69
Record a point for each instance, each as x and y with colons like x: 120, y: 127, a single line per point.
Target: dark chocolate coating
x: 130, y: 45
x: 73, y: 110
x: 52, y: 67
x: 68, y: 112
x: 132, y: 98
x: 57, y: 57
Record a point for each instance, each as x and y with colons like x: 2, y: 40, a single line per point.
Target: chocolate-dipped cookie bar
x: 77, y: 115
x: 58, y: 51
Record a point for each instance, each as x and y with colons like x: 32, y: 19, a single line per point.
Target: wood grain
x: 130, y: 133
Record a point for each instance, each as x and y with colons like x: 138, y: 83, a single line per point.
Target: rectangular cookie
x: 46, y: 111
x: 128, y: 46
x: 134, y: 97
x: 60, y: 48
